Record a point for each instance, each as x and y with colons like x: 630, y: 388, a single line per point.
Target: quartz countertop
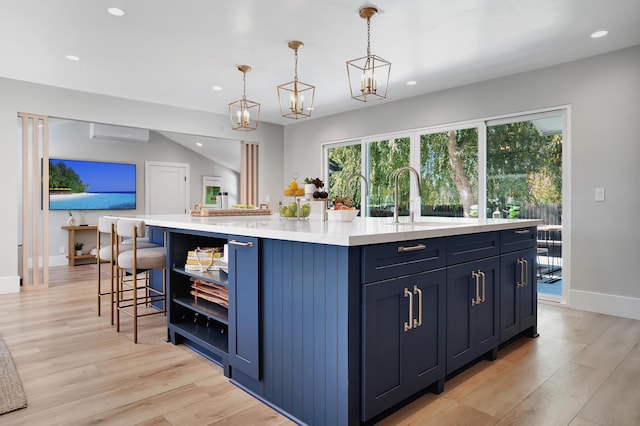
x: 362, y: 231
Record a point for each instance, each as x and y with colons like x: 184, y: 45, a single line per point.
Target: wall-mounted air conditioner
x: 118, y: 133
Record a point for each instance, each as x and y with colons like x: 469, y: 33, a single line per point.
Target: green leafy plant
x: 78, y: 246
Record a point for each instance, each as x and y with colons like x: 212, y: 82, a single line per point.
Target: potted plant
x: 78, y: 247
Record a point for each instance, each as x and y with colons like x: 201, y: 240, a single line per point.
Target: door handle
x: 409, y: 325
x: 525, y: 273
x: 521, y: 231
x: 484, y: 282
x: 476, y: 300
x: 239, y: 243
x: 519, y: 283
x: 417, y: 247
x: 418, y: 322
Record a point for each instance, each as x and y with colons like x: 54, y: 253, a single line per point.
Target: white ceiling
x: 172, y: 52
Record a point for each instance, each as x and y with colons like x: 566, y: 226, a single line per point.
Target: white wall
x: 604, y: 95
x: 18, y: 96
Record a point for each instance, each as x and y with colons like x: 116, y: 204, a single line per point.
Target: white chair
x: 132, y: 263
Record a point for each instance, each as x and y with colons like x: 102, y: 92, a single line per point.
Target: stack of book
x: 203, y: 259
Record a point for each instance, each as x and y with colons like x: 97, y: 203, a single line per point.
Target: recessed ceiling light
x: 411, y: 83
x: 599, y: 34
x: 199, y: 143
x: 72, y: 58
x: 115, y: 11
x: 217, y: 88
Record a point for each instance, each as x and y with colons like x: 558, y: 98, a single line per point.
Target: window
x: 449, y: 173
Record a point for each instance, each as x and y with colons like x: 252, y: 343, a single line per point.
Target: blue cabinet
x: 403, y: 329
x: 472, y: 311
x: 403, y: 341
x: 227, y: 334
x: 518, y: 285
x: 244, y: 307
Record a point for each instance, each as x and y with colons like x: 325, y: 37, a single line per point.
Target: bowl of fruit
x: 295, y: 210
x: 343, y: 210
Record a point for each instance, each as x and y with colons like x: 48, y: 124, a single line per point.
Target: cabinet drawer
x: 517, y: 239
x: 384, y: 261
x: 465, y: 248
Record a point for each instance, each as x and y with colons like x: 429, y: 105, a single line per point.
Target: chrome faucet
x: 364, y: 180
x: 396, y: 204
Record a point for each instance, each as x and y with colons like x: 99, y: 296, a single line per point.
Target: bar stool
x: 134, y: 262
x: 107, y: 253
x: 106, y: 225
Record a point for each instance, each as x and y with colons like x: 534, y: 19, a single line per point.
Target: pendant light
x: 296, y: 97
x: 369, y: 75
x: 244, y: 114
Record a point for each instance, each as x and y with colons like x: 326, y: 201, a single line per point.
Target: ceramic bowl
x: 342, y: 215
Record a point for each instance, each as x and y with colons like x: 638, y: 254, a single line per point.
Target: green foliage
x: 345, y: 161
x: 523, y: 167
x: 61, y: 176
x: 436, y: 174
x: 385, y: 157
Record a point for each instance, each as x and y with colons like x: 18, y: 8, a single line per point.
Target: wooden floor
x: 584, y: 369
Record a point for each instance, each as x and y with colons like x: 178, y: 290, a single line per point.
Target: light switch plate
x: 599, y: 194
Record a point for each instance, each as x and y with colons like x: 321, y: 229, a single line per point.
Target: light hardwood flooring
x: 584, y: 369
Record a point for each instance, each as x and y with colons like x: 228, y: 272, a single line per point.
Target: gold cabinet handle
x: 476, y: 300
x: 417, y: 247
x: 409, y: 325
x: 525, y: 272
x: 239, y: 243
x: 519, y: 283
x: 484, y: 282
x: 418, y: 322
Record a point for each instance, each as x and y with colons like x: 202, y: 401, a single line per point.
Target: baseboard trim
x: 10, y: 284
x: 610, y: 304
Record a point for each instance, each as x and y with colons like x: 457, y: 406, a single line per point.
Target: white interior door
x: 166, y: 188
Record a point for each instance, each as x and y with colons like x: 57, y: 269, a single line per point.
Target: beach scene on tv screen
x: 91, y: 185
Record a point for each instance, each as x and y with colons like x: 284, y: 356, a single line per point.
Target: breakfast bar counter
x: 336, y: 323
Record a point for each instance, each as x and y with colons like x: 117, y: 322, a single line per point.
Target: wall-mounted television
x: 91, y: 185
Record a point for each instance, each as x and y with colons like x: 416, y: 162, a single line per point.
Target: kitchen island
x: 337, y: 323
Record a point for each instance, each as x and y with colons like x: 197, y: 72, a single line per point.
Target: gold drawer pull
x: 417, y: 247
x: 408, y: 325
x: 238, y: 243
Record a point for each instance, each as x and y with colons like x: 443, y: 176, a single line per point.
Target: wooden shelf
x: 72, y: 239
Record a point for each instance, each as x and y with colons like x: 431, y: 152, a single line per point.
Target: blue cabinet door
x: 529, y: 293
x: 399, y: 361
x: 244, y: 312
x: 487, y: 313
x: 518, y: 293
x: 472, y: 328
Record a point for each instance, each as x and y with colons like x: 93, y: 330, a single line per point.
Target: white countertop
x: 362, y: 231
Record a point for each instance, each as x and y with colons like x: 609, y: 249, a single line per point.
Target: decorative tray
x: 230, y: 212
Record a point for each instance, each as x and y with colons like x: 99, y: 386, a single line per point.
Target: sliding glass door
x: 524, y: 180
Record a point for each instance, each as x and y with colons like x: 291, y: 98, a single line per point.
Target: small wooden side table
x: 72, y: 239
